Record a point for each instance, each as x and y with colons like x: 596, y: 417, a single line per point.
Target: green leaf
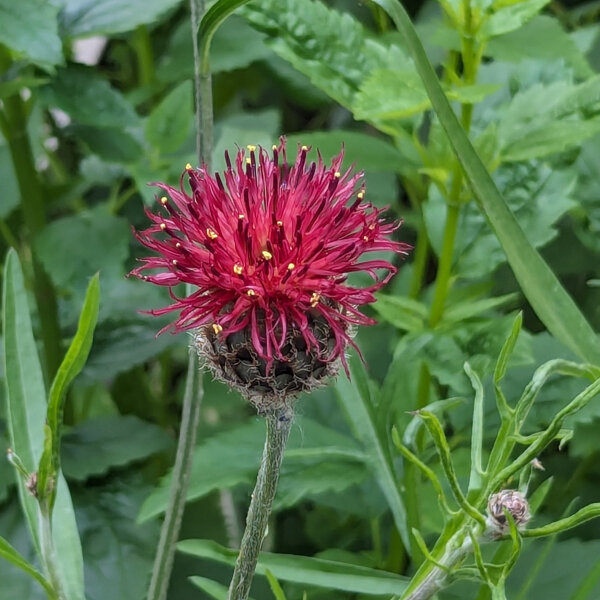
x: 10, y: 87
x: 475, y: 479
x: 212, y: 588
x: 405, y: 313
x: 354, y: 399
x: 333, y: 49
x: 88, y: 98
x: 169, y: 122
x: 542, y: 38
x: 510, y: 17
x: 10, y: 554
x: 102, y: 242
x: 26, y: 411
x: 307, y: 571
x: 370, y: 153
x: 29, y: 27
x: 239, y: 453
x: 71, y: 366
x: 469, y: 309
x: 84, y: 18
x: 551, y: 302
x: 95, y: 446
x: 111, y: 144
x: 9, y: 199
x: 275, y: 586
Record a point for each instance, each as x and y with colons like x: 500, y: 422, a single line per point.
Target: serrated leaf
x: 95, y: 446
x: 305, y: 570
x: 169, y: 122
x: 26, y: 410
x: 88, y: 98
x: 510, y: 17
x: 91, y: 17
x: 29, y: 27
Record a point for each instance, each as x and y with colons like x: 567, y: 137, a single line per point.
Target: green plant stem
x: 143, y: 51
x: 203, y: 86
x: 48, y: 553
x: 163, y: 561
x: 14, y: 126
x: 278, y: 429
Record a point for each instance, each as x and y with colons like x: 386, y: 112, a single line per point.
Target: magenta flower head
x: 268, y: 249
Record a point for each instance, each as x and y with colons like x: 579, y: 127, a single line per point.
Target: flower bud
x: 512, y: 501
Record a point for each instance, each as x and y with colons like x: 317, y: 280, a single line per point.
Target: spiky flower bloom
x: 268, y: 248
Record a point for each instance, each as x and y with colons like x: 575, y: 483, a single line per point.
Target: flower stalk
x: 278, y: 429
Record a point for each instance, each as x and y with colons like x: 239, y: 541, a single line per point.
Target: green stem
x: 14, y: 127
x: 48, y: 552
x: 278, y: 430
x: 143, y: 51
x: 203, y: 85
x: 163, y: 561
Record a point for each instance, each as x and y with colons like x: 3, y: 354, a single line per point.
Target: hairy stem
x: 278, y: 430
x: 163, y: 561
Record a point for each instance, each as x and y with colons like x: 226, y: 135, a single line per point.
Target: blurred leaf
x: 510, y: 17
x: 588, y: 193
x: 86, y: 17
x: 405, y: 313
x: 212, y: 588
x: 307, y: 571
x: 111, y: 144
x: 355, y: 399
x: 118, y: 552
x: 26, y: 409
x: 9, y: 87
x: 169, y: 122
x: 10, y: 197
x: 92, y: 448
x: 559, y: 575
x: 73, y: 248
x: 70, y: 367
x: 238, y: 451
x: 11, y: 555
x: 88, y: 98
x: 468, y: 310
x: 370, y: 153
x: 29, y: 28
x: 260, y: 128
x: 542, y: 38
x: 275, y: 586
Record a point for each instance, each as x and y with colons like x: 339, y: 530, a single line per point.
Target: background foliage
x: 97, y: 101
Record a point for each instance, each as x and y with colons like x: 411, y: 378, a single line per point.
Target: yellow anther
x: 163, y: 226
x: 274, y: 147
x: 251, y: 293
x: 217, y: 328
x: 174, y: 262
x: 248, y: 161
x: 177, y: 245
x: 211, y: 234
x: 337, y: 174
x: 241, y: 217
x: 164, y: 200
x: 238, y: 269
x: 372, y: 226
x: 365, y: 238
x: 266, y: 255
x: 291, y: 267
x: 188, y: 167
x: 304, y: 148
x: 279, y: 223
x: 360, y: 195
x: 314, y: 299
x: 251, y: 148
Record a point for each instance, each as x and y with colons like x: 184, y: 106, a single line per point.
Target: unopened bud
x: 512, y: 501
